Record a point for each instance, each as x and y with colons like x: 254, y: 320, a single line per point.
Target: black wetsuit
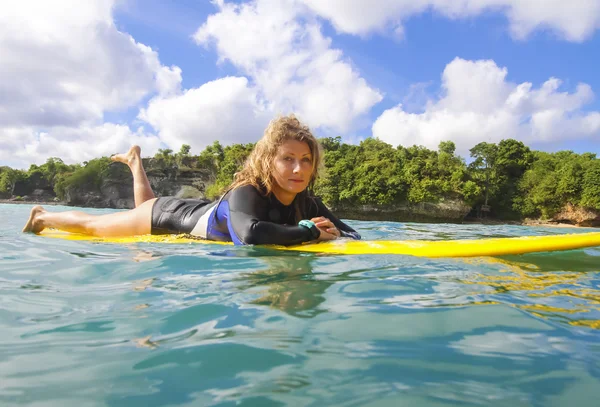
x: 243, y: 216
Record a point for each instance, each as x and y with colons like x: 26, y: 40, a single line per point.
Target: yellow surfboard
x: 422, y: 248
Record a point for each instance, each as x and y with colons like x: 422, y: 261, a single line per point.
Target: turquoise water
x: 85, y: 324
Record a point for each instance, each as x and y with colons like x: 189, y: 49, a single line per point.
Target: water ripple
x: 147, y: 325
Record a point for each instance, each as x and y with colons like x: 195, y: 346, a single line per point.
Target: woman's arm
x: 247, y: 221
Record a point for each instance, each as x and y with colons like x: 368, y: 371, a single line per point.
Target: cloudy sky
x: 81, y: 79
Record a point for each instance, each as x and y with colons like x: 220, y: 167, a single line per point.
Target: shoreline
x: 52, y: 203
x: 488, y: 222
x: 555, y: 224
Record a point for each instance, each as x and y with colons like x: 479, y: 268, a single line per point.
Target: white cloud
x: 575, y: 20
x: 361, y: 17
x: 168, y: 80
x: 225, y: 109
x: 289, y: 60
x: 25, y: 145
x: 12, y: 139
x: 64, y: 63
x: 479, y: 104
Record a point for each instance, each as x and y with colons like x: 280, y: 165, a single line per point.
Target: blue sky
x: 388, y: 63
x: 226, y: 74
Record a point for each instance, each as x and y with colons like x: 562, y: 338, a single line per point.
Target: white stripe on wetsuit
x: 201, y: 228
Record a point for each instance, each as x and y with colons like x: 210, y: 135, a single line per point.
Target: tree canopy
x: 508, y: 178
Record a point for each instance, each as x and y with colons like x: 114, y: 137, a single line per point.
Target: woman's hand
x: 327, y: 228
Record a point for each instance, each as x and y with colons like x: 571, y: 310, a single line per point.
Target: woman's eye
x: 307, y: 160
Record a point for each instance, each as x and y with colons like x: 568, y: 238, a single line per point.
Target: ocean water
x: 87, y: 324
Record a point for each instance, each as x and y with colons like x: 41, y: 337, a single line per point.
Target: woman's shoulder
x: 246, y: 191
x: 310, y: 198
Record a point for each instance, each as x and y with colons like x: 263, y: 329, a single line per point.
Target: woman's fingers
x: 327, y: 227
x: 334, y: 231
x: 324, y: 223
x: 326, y: 236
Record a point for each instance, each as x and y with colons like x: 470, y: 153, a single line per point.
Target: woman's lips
x: 299, y: 181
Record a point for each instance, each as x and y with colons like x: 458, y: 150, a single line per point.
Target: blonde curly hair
x: 258, y: 168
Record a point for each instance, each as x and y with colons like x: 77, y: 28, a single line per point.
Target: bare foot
x: 129, y: 157
x: 33, y: 224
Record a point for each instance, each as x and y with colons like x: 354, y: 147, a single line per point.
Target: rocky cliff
x: 572, y: 215
x: 445, y: 211
x: 35, y: 188
x: 115, y: 190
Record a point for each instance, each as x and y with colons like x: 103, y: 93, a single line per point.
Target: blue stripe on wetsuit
x: 223, y: 214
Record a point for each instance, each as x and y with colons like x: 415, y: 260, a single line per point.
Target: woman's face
x: 293, y: 168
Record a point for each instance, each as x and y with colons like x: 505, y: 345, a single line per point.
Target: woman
x: 268, y: 203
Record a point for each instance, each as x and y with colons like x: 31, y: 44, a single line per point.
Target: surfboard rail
x: 421, y: 248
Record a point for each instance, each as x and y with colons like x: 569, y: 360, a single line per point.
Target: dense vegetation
x: 507, y: 180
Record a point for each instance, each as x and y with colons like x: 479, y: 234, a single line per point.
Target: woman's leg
x: 137, y: 221
x: 142, y: 191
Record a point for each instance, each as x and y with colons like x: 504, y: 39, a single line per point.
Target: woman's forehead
x: 294, y: 147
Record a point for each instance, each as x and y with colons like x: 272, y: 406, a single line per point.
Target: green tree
x: 447, y: 147
x: 512, y: 160
x: 337, y: 178
x: 185, y: 150
x: 212, y: 157
x: 590, y: 196
x: 53, y: 168
x: 165, y: 157
x: 377, y: 174
x: 508, y: 176
x: 483, y: 168
x: 182, y: 156
x: 234, y: 157
x: 431, y: 175
x: 554, y: 180
x: 90, y: 175
x: 8, y: 178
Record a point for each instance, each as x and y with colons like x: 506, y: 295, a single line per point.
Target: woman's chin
x: 296, y: 188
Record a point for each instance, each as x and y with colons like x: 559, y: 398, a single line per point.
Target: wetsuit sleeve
x: 345, y: 230
x: 248, y: 214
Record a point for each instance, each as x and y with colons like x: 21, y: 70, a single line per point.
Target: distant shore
x: 9, y: 201
x: 489, y: 222
x: 553, y: 224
